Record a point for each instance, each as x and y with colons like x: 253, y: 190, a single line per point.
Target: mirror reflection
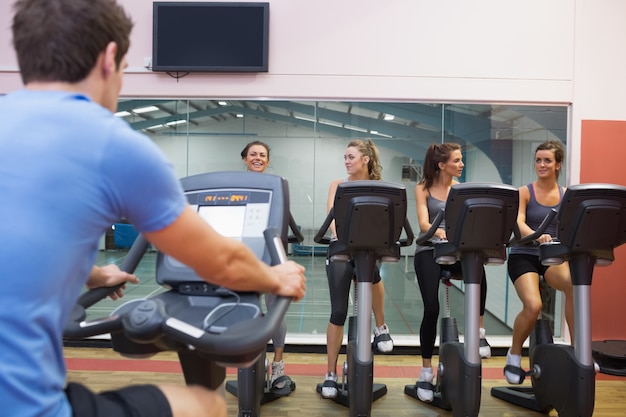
x: 307, y: 141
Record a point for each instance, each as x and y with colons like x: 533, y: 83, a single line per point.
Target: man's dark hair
x: 60, y: 40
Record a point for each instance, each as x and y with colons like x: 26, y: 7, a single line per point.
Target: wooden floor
x: 101, y: 368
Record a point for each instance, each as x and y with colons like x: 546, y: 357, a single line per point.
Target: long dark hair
x: 436, y: 153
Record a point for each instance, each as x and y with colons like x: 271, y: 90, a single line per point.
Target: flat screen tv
x: 210, y: 37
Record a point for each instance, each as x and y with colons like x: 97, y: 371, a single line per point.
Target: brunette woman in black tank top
x: 524, y: 267
x: 442, y: 164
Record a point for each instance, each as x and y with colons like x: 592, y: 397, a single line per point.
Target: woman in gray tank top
x: 362, y: 163
x: 524, y: 266
x: 442, y: 164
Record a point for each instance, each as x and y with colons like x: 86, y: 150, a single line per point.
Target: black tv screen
x: 210, y: 37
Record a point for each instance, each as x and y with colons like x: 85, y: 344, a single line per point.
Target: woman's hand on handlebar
x: 292, y: 280
x: 544, y: 238
x: 440, y: 234
x: 110, y: 276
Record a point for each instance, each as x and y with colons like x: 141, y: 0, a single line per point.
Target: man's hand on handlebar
x: 292, y: 280
x: 110, y: 276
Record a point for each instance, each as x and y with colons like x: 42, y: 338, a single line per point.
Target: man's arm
x: 224, y: 261
x: 109, y: 276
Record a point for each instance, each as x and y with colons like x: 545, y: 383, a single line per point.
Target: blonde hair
x: 368, y: 148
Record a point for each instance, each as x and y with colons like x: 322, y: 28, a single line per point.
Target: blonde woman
x: 362, y: 163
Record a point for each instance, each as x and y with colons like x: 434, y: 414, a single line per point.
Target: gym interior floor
x: 102, y: 369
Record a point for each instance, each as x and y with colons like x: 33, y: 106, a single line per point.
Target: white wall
x: 449, y: 50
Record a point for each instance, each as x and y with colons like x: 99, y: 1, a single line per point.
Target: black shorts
x: 520, y: 264
x: 132, y: 401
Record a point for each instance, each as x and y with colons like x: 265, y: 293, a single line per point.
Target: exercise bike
x: 479, y: 221
x: 256, y: 378
x: 591, y: 224
x: 369, y: 217
x: 210, y: 327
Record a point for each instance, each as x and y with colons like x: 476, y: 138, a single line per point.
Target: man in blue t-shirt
x: 69, y: 169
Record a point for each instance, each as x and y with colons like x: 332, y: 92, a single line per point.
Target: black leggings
x: 428, y: 277
x: 340, y: 276
x: 131, y: 401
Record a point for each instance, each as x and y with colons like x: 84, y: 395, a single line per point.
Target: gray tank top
x: 535, y: 213
x: 434, y: 206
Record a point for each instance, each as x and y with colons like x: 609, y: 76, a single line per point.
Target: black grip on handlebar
x: 409, y: 234
x: 324, y: 240
x: 73, y: 327
x: 319, y: 237
x: 129, y: 265
x: 297, y: 236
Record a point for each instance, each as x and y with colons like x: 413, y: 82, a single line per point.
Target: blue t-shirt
x: 68, y: 170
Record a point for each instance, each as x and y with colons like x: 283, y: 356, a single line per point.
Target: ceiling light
x: 175, y: 122
x: 145, y: 109
x: 388, y: 117
x: 239, y: 115
x: 155, y: 127
x: 306, y: 119
x: 356, y: 128
x: 222, y: 103
x: 122, y: 113
x: 330, y: 123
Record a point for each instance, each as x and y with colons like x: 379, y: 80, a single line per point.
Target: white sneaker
x: 329, y: 388
x: 382, y: 339
x: 278, y: 370
x: 425, y: 388
x: 484, y: 348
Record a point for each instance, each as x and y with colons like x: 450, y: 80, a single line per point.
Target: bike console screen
x: 241, y: 214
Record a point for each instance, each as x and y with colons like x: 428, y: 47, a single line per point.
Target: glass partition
x: 307, y: 141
